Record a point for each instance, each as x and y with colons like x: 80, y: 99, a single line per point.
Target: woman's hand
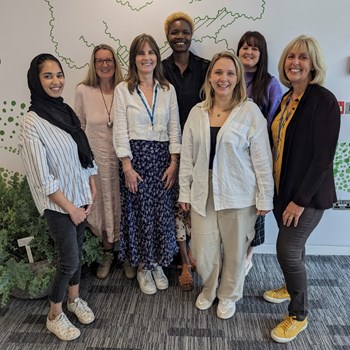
x: 292, y: 212
x: 170, y: 175
x: 88, y: 208
x: 262, y: 212
x: 77, y: 215
x: 185, y: 206
x: 132, y: 179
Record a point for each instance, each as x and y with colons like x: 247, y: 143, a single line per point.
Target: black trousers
x: 291, y: 256
x: 68, y: 240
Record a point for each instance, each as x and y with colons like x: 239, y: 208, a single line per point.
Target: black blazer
x: 309, y: 148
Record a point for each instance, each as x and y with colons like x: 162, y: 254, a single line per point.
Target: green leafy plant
x: 19, y: 218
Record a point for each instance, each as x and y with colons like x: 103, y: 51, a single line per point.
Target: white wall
x: 70, y: 28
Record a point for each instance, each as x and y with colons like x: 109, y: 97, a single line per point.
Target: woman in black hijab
x: 59, y: 167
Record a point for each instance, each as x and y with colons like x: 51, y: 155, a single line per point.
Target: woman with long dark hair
x: 147, y: 141
x: 265, y: 90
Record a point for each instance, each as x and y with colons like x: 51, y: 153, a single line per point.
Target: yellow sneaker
x: 277, y: 296
x: 288, y: 329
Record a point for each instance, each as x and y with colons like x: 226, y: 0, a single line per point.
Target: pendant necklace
x: 110, y: 122
x: 217, y: 115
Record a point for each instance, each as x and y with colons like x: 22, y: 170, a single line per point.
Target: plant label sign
x: 24, y: 242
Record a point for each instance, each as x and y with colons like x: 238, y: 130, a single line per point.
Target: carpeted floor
x: 127, y: 319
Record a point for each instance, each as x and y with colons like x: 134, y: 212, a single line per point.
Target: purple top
x: 273, y: 96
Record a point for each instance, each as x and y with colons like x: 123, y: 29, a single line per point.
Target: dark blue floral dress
x: 147, y: 233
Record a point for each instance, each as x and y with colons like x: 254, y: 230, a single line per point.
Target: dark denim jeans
x: 68, y: 240
x: 291, y: 257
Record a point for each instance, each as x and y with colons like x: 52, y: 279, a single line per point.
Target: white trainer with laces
x: 80, y: 308
x: 146, y: 282
x: 160, y: 278
x: 62, y: 327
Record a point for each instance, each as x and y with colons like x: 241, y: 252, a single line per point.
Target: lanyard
x: 284, y: 118
x: 150, y: 114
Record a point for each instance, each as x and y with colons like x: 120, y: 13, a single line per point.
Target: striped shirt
x: 51, y: 162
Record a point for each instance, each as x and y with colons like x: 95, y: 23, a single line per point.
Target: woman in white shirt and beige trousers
x: 225, y: 180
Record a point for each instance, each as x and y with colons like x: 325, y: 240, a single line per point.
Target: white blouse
x: 132, y: 119
x: 242, y: 167
x: 51, y: 161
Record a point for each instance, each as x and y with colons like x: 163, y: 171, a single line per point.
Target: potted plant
x: 26, y: 249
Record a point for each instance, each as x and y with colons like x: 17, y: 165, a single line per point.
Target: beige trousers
x: 219, y: 244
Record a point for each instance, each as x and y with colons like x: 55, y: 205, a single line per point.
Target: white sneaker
x: 226, y: 308
x: 202, y: 303
x: 160, y: 278
x: 146, y: 282
x: 80, y: 308
x: 62, y: 327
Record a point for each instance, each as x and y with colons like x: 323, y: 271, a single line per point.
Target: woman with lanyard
x: 59, y: 166
x: 147, y: 141
x: 304, y: 135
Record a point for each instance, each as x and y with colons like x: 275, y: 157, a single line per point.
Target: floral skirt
x: 183, y: 220
x: 259, y: 228
x: 148, y: 230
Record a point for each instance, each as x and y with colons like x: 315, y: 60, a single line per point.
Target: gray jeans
x: 291, y: 256
x: 68, y: 240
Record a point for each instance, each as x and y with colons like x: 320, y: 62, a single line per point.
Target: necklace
x: 109, y: 123
x: 218, y: 114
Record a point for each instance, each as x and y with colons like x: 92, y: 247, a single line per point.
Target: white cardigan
x: 242, y: 167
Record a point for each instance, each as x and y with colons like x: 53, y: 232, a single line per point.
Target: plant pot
x: 38, y: 269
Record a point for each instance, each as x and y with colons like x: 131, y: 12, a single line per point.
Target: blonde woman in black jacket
x: 304, y: 135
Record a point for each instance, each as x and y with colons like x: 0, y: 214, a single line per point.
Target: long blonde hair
x: 239, y: 93
x: 92, y: 79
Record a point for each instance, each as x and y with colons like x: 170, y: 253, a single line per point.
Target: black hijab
x: 55, y: 111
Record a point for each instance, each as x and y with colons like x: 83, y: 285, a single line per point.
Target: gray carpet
x: 127, y: 319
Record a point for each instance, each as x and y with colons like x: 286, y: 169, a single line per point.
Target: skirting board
x: 310, y: 249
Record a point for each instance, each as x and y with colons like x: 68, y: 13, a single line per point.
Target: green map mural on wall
x: 342, y: 167
x: 10, y: 116
x: 215, y: 23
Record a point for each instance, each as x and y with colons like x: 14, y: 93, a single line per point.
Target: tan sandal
x: 186, y: 280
